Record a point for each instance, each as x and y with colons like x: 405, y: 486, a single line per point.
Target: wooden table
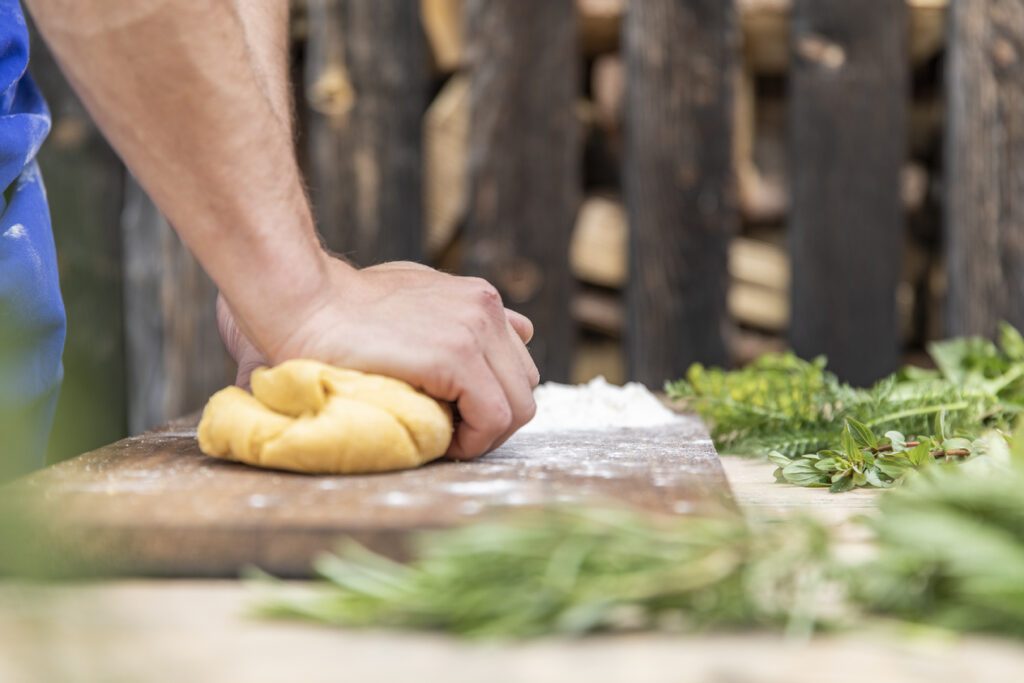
x: 198, y: 631
x: 154, y: 505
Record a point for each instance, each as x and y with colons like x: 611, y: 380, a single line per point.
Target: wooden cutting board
x: 154, y: 505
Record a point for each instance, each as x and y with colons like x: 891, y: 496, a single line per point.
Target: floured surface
x: 153, y: 504
x: 596, y: 406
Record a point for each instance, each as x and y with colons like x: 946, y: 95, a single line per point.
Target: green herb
x: 951, y: 547
x: 863, y: 459
x: 822, y: 432
x: 576, y: 571
x: 950, y: 553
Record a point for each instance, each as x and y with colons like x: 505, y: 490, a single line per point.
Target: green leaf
x: 849, y: 445
x: 957, y: 443
x: 842, y: 484
x: 1011, y: 342
x: 801, y: 473
x: 826, y: 465
x: 896, y: 440
x: 864, y: 437
x: 894, y: 468
x: 873, y: 478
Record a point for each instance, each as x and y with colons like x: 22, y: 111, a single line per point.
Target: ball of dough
x: 307, y: 416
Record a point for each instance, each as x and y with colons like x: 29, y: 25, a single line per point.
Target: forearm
x: 194, y: 98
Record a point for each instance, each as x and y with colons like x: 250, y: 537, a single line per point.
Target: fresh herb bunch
x: 575, y: 571
x: 864, y: 459
x: 799, y: 412
x: 951, y: 547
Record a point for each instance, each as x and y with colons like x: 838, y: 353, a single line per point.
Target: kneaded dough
x: 307, y: 416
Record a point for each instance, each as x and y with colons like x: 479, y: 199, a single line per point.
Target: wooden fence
x: 143, y: 346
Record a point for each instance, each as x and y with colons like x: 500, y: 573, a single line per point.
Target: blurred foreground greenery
x: 949, y: 552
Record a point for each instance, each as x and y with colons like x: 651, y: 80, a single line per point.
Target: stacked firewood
x: 759, y: 266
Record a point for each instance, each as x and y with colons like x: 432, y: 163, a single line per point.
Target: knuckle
x: 441, y: 382
x: 486, y: 295
x: 502, y: 417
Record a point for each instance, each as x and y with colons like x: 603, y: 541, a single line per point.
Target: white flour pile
x: 596, y: 405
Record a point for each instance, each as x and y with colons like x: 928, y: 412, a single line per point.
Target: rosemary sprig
x: 572, y: 571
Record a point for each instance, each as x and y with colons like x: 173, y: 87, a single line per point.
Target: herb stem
x: 915, y: 412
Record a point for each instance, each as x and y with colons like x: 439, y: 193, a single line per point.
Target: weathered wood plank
x: 174, y: 353
x: 366, y: 87
x: 154, y: 504
x: 985, y: 166
x: 524, y: 163
x: 84, y: 180
x: 679, y: 182
x: 848, y: 142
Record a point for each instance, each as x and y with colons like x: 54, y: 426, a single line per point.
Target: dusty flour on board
x: 596, y: 405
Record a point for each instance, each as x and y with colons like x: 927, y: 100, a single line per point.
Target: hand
x: 448, y: 335
x: 247, y: 356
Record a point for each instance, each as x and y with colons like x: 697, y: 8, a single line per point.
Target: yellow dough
x: 307, y: 416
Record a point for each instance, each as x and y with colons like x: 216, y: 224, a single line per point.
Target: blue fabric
x: 32, y: 321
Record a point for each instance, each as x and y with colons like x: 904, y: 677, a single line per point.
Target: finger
x: 521, y: 324
x: 484, y: 408
x: 525, y: 359
x: 246, y: 365
x: 509, y: 368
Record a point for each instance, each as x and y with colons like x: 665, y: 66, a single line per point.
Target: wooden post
x: 175, y: 355
x: 366, y: 87
x: 524, y: 163
x: 681, y: 57
x: 985, y: 166
x: 848, y: 141
x: 84, y: 181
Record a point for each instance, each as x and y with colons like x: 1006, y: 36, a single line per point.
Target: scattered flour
x: 596, y: 405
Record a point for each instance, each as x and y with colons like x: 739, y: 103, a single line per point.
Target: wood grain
x: 366, y: 91
x: 679, y: 182
x: 524, y: 174
x: 154, y: 505
x: 848, y: 142
x: 985, y: 167
x: 174, y: 354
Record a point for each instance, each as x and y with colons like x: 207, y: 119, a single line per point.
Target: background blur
x: 657, y: 184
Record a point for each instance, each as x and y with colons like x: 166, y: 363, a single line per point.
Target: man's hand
x: 447, y: 335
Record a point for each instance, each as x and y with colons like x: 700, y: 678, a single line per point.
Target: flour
x: 596, y: 405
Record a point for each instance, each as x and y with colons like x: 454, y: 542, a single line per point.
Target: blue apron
x: 32, y: 322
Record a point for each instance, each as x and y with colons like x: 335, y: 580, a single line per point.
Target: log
x: 599, y: 357
x: 599, y: 311
x: 848, y: 109
x: 445, y: 136
x: 600, y: 242
x: 985, y: 173
x: 759, y: 307
x: 759, y: 263
x: 600, y: 24
x: 524, y: 172
x: 608, y: 86
x: 679, y: 182
x: 442, y: 21
x: 366, y: 89
x: 84, y: 181
x: 766, y: 30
